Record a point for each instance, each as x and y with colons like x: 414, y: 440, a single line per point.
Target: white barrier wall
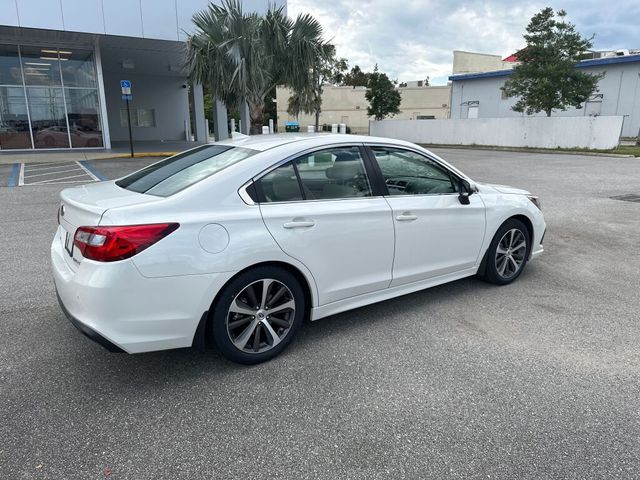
x: 536, y: 132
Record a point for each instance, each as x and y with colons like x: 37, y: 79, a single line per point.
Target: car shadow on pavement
x: 126, y: 373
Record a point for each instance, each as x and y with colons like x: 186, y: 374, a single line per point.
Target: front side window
x: 409, y: 173
x: 176, y: 173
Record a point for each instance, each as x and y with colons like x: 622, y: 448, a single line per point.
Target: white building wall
x: 619, y: 88
x: 348, y: 105
x: 164, y: 95
x: 139, y: 40
x: 157, y: 19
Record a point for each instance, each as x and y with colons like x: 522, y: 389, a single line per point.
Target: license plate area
x: 68, y: 243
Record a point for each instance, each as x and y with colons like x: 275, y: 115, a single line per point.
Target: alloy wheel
x: 510, y: 253
x: 261, y: 316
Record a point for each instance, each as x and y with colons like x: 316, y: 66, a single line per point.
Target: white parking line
x: 54, y: 173
x: 59, y: 183
x: 51, y: 173
x: 62, y: 165
x: 88, y: 172
x: 42, y: 164
x: 57, y: 180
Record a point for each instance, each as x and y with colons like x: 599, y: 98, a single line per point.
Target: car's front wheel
x: 257, y: 314
x: 508, y: 253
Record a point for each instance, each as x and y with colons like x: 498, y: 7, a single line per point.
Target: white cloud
x: 414, y: 38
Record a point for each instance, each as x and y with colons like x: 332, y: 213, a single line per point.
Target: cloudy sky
x: 411, y: 39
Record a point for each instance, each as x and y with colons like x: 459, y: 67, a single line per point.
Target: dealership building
x: 62, y: 63
x: 478, y: 94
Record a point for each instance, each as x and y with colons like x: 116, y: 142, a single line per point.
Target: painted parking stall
x: 54, y: 173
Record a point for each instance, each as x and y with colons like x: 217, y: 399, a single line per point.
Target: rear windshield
x: 183, y: 170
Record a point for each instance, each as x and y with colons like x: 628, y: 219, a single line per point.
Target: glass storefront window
x: 14, y: 122
x: 10, y: 73
x: 40, y: 66
x: 84, y: 117
x: 78, y: 68
x: 48, y: 122
x: 50, y: 100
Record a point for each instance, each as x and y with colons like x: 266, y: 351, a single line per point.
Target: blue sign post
x: 125, y: 86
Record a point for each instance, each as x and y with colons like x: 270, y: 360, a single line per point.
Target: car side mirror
x: 465, y: 190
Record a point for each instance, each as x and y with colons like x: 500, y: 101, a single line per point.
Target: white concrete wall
x: 537, y: 132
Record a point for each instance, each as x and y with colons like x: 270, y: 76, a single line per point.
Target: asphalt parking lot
x: 538, y: 379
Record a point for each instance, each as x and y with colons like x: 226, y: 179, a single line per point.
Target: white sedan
x: 237, y: 242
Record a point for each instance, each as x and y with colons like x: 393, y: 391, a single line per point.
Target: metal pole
x: 129, y: 122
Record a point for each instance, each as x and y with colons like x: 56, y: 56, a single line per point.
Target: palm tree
x: 244, y: 56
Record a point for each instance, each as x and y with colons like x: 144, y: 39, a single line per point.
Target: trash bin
x: 292, y: 127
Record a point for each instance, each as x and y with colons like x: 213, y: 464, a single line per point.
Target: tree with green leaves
x: 356, y: 78
x: 546, y: 78
x: 382, y: 95
x: 328, y: 69
x: 242, y: 57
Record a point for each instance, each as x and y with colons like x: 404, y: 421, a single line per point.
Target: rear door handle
x: 406, y: 217
x: 299, y: 224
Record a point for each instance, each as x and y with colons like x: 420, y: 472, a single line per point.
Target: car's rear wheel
x: 257, y: 314
x: 508, y: 253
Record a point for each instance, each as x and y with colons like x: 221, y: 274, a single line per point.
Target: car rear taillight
x: 108, y: 244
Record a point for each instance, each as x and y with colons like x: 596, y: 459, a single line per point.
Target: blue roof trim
x: 472, y: 76
x: 597, y: 62
x: 608, y: 61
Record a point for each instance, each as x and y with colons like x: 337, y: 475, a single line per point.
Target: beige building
x: 348, y: 105
x: 470, y: 62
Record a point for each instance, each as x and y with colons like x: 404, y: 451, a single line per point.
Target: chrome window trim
x: 316, y: 200
x: 244, y: 195
x: 242, y: 191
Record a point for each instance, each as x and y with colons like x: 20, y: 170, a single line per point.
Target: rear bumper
x: 88, y: 331
x: 115, y: 305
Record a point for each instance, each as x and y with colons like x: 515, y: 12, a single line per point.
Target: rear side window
x: 183, y: 170
x: 333, y: 173
x: 281, y: 185
x: 322, y: 175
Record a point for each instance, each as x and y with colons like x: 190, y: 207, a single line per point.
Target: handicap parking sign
x: 125, y: 86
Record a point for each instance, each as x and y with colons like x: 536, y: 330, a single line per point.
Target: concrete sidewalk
x: 119, y: 150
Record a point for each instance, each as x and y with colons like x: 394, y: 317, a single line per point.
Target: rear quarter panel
x: 216, y: 235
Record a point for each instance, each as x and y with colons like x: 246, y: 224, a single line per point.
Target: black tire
x: 222, y: 317
x: 491, y: 262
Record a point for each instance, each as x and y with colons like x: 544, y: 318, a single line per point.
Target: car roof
x: 267, y: 142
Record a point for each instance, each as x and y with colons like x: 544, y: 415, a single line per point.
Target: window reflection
x: 51, y: 97
x: 48, y: 123
x: 78, y: 68
x: 40, y: 66
x: 14, y: 123
x: 10, y: 73
x: 84, y: 117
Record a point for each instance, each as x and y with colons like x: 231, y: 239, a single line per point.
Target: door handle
x: 299, y: 224
x: 406, y: 217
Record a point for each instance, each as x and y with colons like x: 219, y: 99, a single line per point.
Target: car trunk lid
x: 85, y: 206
